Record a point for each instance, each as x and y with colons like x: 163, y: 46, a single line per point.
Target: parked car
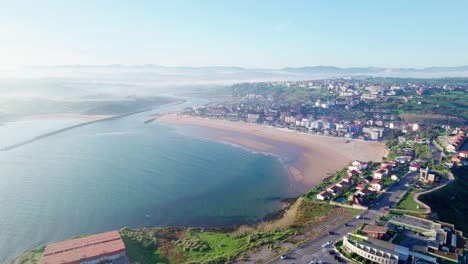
x: 327, y: 244
x: 284, y: 256
x: 331, y: 252
x: 337, y: 258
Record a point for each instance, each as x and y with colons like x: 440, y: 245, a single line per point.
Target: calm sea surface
x: 123, y: 172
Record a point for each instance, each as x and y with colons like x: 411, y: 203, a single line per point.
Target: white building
x: 377, y: 251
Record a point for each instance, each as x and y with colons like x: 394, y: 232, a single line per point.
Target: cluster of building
x: 372, y: 184
x: 453, y: 142
x: 300, y: 118
x: 407, y: 237
x: 459, y: 159
x: 101, y: 248
x: 348, y: 108
x: 457, y: 142
x: 364, y: 186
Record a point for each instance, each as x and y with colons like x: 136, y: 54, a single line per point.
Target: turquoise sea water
x: 126, y: 173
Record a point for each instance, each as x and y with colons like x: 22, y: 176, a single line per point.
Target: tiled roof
x: 83, y: 249
x: 374, y: 229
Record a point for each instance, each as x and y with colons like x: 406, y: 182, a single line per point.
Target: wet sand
x: 308, y: 158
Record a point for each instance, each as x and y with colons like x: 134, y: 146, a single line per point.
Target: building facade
x: 371, y: 252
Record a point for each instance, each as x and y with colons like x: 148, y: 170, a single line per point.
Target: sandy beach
x: 307, y: 157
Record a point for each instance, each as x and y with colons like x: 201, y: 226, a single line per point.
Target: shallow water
x: 123, y: 172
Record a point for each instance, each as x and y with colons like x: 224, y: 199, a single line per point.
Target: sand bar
x: 67, y: 116
x: 318, y: 156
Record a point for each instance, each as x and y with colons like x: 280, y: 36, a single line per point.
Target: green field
x: 450, y: 202
x: 407, y: 202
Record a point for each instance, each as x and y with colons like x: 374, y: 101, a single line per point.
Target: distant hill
x: 234, y: 73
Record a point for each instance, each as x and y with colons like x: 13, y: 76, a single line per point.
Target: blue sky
x: 252, y: 33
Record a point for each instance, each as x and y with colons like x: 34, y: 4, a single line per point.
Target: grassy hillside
x: 193, y: 245
x: 450, y: 202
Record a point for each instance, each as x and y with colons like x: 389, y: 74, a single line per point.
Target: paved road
x: 313, y: 250
x: 436, y: 154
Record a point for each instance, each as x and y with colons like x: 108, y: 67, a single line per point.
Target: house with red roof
x: 414, y: 167
x: 349, y: 179
x: 324, y: 196
x: 463, y: 154
x: 364, y: 192
x: 343, y: 184
x: 357, y: 166
x: 334, y: 189
x: 353, y: 173
x: 456, y: 159
x: 376, y: 184
x: 380, y: 173
x: 361, y: 186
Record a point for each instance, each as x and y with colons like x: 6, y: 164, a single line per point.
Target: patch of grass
x: 138, y: 254
x: 308, y: 211
x: 146, y: 245
x: 207, y: 247
x: 407, y: 203
x: 31, y: 257
x: 213, y: 245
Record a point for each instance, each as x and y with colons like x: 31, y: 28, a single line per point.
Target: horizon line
x: 229, y: 66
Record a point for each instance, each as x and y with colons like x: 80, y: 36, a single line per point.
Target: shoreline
x: 97, y: 118
x: 308, y: 158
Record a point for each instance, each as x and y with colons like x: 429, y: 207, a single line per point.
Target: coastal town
x: 353, y: 109
x: 234, y: 132
x: 388, y: 218
x: 422, y: 153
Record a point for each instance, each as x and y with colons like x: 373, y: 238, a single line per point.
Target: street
x: 313, y: 250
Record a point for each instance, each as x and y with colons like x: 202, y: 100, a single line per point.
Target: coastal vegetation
x: 31, y: 257
x: 197, y: 245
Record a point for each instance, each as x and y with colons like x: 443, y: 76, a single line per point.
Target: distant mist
x: 24, y: 89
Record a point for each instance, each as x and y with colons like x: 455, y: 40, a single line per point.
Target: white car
x: 327, y: 244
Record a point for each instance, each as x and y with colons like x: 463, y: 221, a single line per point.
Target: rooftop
x: 375, y: 229
x: 83, y: 249
x: 413, y: 221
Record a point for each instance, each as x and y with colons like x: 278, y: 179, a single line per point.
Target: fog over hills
x: 43, y: 86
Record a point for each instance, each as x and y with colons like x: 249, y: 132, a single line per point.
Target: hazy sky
x: 249, y: 33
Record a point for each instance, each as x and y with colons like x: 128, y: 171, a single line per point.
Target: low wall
x: 354, y: 206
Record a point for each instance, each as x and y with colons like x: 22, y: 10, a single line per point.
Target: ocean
x: 123, y: 172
